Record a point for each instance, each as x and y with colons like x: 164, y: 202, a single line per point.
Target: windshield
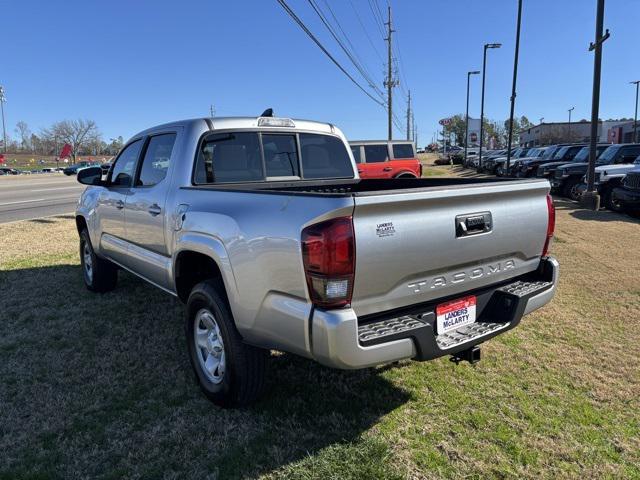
x: 523, y: 153
x: 608, y: 154
x: 582, y: 155
x: 637, y: 160
x: 548, y: 153
x: 560, y: 153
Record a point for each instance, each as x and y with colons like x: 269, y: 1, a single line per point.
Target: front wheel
x: 230, y: 372
x: 611, y: 202
x: 500, y: 171
x: 570, y: 189
x: 99, y: 275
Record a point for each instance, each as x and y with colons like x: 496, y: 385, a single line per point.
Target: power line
x: 378, y: 21
x: 301, y: 24
x: 364, y: 29
x: 365, y: 74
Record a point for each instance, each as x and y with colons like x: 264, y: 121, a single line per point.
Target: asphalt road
x: 33, y: 196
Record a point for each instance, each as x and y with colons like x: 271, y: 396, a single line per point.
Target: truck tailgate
x: 414, y: 247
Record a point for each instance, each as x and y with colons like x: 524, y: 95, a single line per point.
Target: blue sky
x: 133, y: 64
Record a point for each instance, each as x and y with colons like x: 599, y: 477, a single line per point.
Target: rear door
x: 376, y: 157
x: 411, y: 249
x: 145, y: 209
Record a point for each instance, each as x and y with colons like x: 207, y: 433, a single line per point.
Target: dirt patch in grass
x: 99, y: 386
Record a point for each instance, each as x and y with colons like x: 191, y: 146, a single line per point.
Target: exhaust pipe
x: 471, y: 355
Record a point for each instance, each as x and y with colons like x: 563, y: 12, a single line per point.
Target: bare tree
x: 22, y: 129
x: 80, y: 134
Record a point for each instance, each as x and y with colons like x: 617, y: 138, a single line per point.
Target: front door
x: 111, y: 202
x: 145, y: 210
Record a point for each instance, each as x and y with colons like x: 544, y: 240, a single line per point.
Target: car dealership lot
x: 34, y: 196
x: 91, y: 387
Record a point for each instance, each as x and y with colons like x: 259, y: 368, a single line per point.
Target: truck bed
x: 359, y: 187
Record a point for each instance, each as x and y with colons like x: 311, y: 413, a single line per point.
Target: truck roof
x: 224, y: 123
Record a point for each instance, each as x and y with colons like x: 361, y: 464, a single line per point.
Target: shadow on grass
x: 100, y: 386
x: 579, y: 212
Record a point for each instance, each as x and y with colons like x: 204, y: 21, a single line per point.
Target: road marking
x: 37, y: 200
x: 56, y: 188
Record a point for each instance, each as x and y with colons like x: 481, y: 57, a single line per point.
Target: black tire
x: 569, y: 188
x: 243, y: 377
x: 102, y: 275
x: 500, y: 171
x: 609, y: 202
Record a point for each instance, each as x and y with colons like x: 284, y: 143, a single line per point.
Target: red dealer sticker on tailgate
x: 455, y: 314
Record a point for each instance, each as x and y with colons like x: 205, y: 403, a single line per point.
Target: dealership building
x: 615, y: 131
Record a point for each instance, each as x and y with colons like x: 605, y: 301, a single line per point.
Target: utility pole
x: 466, y: 118
x: 635, y: 117
x: 590, y: 198
x: 569, y: 134
x: 409, y: 116
x: 390, y: 82
x: 484, y: 74
x: 3, y: 99
x: 513, y: 87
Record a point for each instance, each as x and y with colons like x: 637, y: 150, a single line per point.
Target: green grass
x: 100, y: 386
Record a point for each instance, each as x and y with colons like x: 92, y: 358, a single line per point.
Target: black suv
x: 628, y: 194
x: 567, y: 177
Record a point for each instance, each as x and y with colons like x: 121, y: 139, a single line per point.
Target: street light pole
x: 466, y: 121
x: 569, y: 134
x: 4, y: 130
x: 513, y: 88
x: 635, y: 117
x: 590, y: 198
x: 484, y: 72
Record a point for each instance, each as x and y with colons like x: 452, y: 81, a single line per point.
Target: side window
x: 356, y: 153
x: 125, y: 166
x: 403, y: 150
x: 376, y: 153
x: 280, y: 155
x: 628, y: 155
x: 229, y: 157
x: 156, y: 160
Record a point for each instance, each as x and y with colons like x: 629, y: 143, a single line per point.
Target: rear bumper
x: 341, y: 340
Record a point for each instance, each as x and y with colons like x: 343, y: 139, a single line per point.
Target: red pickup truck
x: 386, y: 159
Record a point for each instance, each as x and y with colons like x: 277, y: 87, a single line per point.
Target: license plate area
x: 455, y: 314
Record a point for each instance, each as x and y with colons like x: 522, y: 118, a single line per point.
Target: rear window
x: 324, y: 156
x: 229, y: 157
x: 403, y: 150
x: 376, y: 153
x: 238, y: 157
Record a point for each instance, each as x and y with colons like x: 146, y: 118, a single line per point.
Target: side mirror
x: 90, y: 176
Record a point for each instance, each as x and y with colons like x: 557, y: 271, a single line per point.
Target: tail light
x: 328, y: 255
x: 551, y: 225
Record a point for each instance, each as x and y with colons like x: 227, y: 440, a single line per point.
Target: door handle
x: 119, y: 204
x: 154, y: 209
x: 387, y: 169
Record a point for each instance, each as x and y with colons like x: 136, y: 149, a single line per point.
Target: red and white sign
x: 1, y: 159
x: 455, y: 314
x: 445, y: 121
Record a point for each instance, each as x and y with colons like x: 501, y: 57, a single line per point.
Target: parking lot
x: 33, y: 196
x: 98, y: 385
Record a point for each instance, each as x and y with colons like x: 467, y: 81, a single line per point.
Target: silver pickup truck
x: 263, y: 229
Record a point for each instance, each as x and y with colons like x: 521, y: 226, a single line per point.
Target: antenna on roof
x: 267, y: 113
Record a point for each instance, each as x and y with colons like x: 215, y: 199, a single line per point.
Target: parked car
x: 10, y: 171
x: 386, y: 159
x: 498, y: 165
x: 533, y: 154
x: 568, y: 177
x: 608, y: 177
x: 627, y: 194
x: 263, y: 228
x: 547, y: 170
x: 528, y: 168
x: 73, y: 169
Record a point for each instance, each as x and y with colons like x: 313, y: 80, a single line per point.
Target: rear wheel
x: 99, y: 275
x: 230, y: 373
x: 406, y: 175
